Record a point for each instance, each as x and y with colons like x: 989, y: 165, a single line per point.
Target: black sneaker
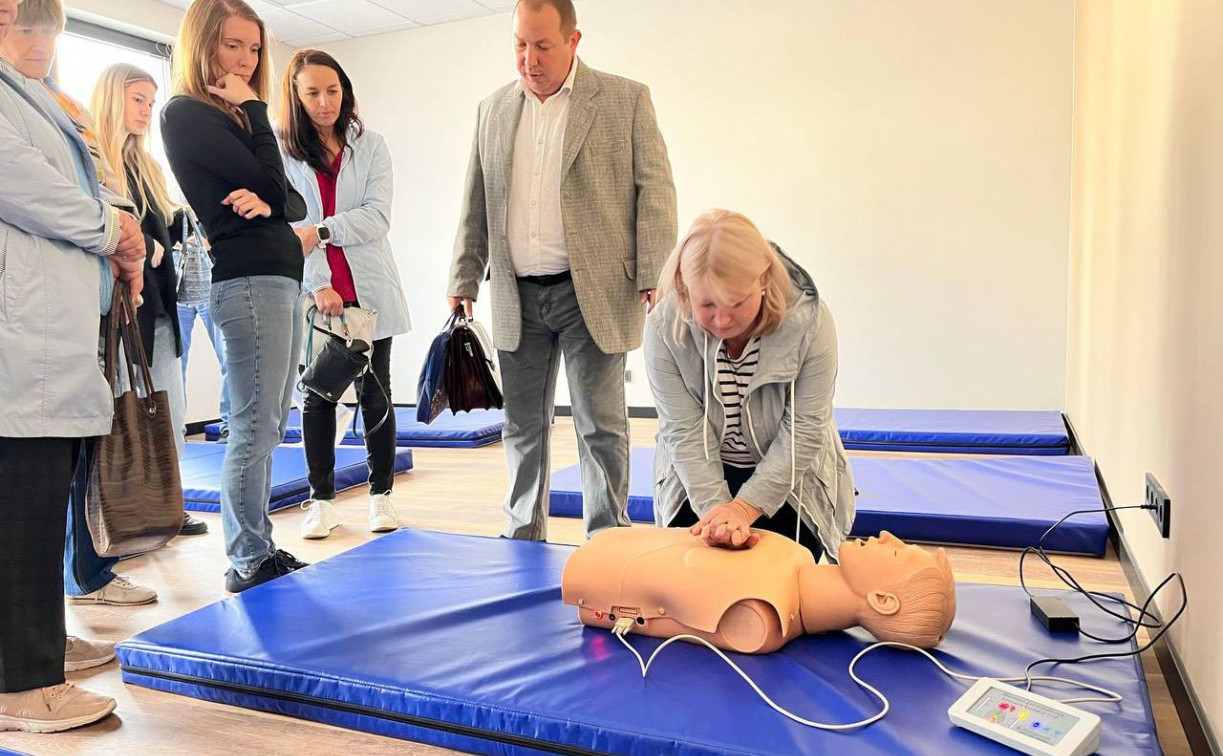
x: 277, y: 564
x: 224, y: 437
x: 192, y: 526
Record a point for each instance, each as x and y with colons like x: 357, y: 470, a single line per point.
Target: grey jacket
x: 360, y: 225
x: 52, y: 230
x: 797, y: 463
x: 617, y: 206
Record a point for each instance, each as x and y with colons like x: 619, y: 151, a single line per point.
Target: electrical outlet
x: 628, y: 376
x: 1161, y: 504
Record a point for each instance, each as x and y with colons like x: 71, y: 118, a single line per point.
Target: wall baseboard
x: 1201, y: 737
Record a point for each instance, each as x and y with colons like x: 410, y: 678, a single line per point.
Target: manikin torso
x: 746, y: 600
x: 668, y: 583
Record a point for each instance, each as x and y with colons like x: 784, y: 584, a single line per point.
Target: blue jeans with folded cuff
x: 260, y: 318
x: 84, y: 571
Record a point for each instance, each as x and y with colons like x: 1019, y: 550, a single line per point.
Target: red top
x: 341, y: 274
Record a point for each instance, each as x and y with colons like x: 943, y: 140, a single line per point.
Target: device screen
x: 1031, y: 718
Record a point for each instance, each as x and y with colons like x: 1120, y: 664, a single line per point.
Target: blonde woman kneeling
x: 741, y: 354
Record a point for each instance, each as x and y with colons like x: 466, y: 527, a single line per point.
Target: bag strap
x: 385, y: 416
x: 123, y: 331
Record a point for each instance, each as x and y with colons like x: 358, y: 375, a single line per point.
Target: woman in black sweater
x: 122, y: 108
x: 224, y: 154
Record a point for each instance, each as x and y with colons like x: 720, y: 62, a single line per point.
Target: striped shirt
x: 733, y: 377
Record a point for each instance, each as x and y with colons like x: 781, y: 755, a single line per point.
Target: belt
x: 550, y: 280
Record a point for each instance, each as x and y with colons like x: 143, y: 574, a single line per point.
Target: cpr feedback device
x: 1027, y: 722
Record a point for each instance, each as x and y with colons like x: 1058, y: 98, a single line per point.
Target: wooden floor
x: 453, y: 490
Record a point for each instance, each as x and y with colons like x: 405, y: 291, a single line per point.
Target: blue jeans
x: 260, y: 318
x: 186, y: 321
x: 84, y: 571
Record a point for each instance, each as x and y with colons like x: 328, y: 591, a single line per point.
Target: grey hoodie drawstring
x: 705, y: 395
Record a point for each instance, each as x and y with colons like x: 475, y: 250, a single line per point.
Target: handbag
x: 470, y: 376
x: 431, y: 397
x: 134, y: 499
x: 342, y: 358
x: 194, y: 264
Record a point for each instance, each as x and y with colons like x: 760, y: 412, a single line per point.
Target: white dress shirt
x: 534, y: 225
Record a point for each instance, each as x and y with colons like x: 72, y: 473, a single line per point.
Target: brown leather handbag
x: 135, y: 496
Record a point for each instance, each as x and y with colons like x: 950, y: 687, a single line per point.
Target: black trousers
x: 318, y: 430
x: 784, y: 522
x: 36, y: 474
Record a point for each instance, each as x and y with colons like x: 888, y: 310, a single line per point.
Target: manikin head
x: 907, y: 593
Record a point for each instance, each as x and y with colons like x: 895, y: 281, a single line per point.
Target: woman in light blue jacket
x: 344, y: 172
x: 741, y: 354
x: 61, y: 243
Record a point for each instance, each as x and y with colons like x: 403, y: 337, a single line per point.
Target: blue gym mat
x: 200, y: 467
x: 1003, y: 502
x: 464, y: 430
x: 954, y: 431
x: 465, y: 644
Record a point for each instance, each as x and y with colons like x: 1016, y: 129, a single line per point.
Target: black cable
x: 1154, y: 639
x: 1070, y: 581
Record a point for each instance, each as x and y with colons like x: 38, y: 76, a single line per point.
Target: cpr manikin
x: 755, y: 600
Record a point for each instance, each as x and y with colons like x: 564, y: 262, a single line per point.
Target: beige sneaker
x: 82, y: 654
x: 52, y: 709
x: 118, y: 592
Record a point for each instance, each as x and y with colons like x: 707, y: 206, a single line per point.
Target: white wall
x: 914, y: 156
x: 1145, y: 360
x: 159, y: 22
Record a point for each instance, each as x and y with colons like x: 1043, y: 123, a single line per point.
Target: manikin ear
x: 883, y: 602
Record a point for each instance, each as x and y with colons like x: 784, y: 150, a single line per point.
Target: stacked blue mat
x: 1002, y: 502
x: 466, y: 644
x: 200, y: 468
x: 954, y: 431
x: 465, y: 430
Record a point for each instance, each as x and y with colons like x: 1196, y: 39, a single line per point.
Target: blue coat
x: 360, y: 225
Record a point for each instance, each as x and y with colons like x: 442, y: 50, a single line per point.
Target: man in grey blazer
x: 570, y: 209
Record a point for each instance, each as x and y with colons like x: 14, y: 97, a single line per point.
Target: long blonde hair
x: 725, y: 251
x: 199, y: 38
x: 123, y: 149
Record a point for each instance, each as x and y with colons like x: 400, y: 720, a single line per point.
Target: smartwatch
x: 324, y: 234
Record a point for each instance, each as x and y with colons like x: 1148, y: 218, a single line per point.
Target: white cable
x: 798, y: 529
x: 622, y: 629
x: 705, y: 395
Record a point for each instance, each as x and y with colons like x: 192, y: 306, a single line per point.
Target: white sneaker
x: 382, y: 516
x: 320, y: 520
x: 118, y: 592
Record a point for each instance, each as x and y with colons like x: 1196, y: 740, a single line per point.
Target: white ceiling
x: 311, y: 22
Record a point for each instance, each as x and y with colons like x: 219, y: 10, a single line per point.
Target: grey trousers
x: 552, y: 326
